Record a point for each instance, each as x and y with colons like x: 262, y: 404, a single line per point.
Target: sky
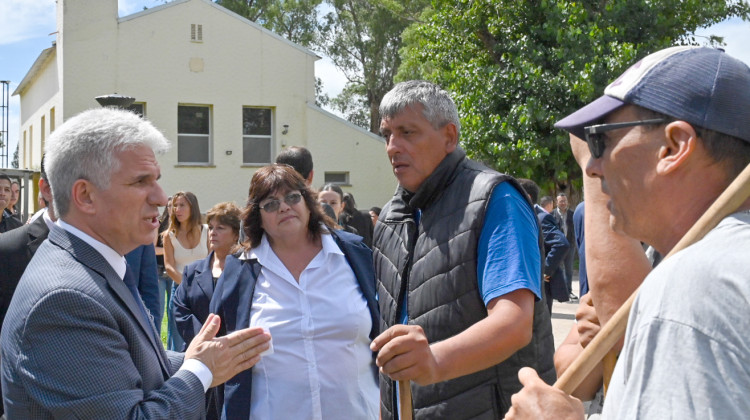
x: 27, y: 26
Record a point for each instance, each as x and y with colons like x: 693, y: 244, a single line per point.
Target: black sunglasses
x: 595, y: 138
x: 273, y: 204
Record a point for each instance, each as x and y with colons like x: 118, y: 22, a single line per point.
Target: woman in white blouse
x: 185, y: 241
x: 313, y: 289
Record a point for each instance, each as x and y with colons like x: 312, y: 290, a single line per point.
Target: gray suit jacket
x: 75, y: 345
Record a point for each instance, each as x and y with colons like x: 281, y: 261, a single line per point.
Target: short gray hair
x: 439, y: 108
x: 85, y: 147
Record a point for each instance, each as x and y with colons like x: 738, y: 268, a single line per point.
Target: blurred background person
x: 7, y: 221
x: 357, y: 219
x: 194, y: 293
x: 192, y: 297
x: 300, y: 159
x: 185, y: 241
x: 313, y: 288
x: 374, y: 214
x: 165, y: 282
x: 555, y: 245
x: 333, y: 196
x: 564, y: 218
x: 15, y: 189
x: 42, y: 208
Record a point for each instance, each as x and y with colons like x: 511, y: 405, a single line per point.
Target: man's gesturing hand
x: 227, y: 356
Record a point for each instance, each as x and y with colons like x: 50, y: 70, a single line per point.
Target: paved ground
x: 563, y: 315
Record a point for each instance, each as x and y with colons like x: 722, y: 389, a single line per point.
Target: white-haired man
x: 77, y: 341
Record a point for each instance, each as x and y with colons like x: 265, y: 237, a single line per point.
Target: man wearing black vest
x: 457, y: 256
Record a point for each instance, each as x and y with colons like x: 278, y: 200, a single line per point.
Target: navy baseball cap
x: 703, y: 86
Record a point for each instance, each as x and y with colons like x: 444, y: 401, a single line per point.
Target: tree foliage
x: 515, y: 68
x: 363, y: 39
x: 14, y: 163
x: 296, y: 20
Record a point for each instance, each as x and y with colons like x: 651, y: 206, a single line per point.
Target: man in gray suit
x: 76, y: 341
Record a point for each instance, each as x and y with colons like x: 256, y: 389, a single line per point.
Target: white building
x: 229, y: 94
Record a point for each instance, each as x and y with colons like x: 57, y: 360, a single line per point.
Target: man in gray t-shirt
x: 666, y: 139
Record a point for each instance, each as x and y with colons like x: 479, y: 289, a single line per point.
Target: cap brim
x: 590, y: 113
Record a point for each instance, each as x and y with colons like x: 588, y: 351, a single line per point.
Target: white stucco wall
x: 41, y: 95
x: 150, y: 56
x: 338, y: 146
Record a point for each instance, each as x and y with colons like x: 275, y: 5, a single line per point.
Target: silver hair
x: 438, y: 107
x: 86, y: 147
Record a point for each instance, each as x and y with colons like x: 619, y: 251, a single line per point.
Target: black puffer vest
x: 436, y: 264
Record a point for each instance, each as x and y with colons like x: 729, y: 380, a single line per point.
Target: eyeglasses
x: 595, y: 138
x: 273, y: 204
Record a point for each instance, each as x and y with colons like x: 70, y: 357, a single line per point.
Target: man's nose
x: 594, y: 167
x: 158, y: 197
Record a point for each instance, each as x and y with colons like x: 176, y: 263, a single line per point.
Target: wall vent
x: 196, y: 32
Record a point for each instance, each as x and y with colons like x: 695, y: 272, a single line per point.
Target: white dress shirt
x: 322, y: 366
x: 119, y: 264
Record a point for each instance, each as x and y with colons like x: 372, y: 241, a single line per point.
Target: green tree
x: 14, y: 163
x: 296, y: 20
x: 515, y: 68
x: 363, y: 39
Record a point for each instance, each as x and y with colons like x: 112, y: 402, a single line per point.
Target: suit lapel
x: 37, y: 233
x: 121, y: 290
x: 204, y: 277
x: 89, y: 257
x: 234, y: 292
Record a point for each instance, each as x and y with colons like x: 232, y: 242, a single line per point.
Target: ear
x: 45, y: 189
x: 679, y: 143
x: 451, y: 137
x: 83, y: 196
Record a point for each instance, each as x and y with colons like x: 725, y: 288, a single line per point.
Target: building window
x: 52, y: 119
x: 193, y: 135
x: 257, y: 135
x: 137, y: 108
x: 196, y: 32
x: 340, y: 178
x: 23, y: 162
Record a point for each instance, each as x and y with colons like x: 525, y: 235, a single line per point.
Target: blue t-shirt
x: 508, y: 257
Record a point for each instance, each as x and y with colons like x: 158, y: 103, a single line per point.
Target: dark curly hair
x: 278, y: 177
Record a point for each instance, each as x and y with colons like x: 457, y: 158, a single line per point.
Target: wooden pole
x: 727, y: 203
x: 404, y: 400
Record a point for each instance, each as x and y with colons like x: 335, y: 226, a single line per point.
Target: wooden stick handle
x: 727, y: 203
x: 404, y: 400
x: 608, y: 367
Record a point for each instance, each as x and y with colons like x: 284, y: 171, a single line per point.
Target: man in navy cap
x: 666, y: 139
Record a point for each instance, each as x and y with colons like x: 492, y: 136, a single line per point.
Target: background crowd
x: 442, y: 297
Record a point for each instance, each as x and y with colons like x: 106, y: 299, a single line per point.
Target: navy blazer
x: 555, y: 248
x: 234, y: 293
x: 76, y: 345
x: 192, y: 298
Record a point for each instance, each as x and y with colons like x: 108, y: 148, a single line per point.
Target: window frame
x: 209, y: 136
x: 270, y: 136
x: 346, y: 182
